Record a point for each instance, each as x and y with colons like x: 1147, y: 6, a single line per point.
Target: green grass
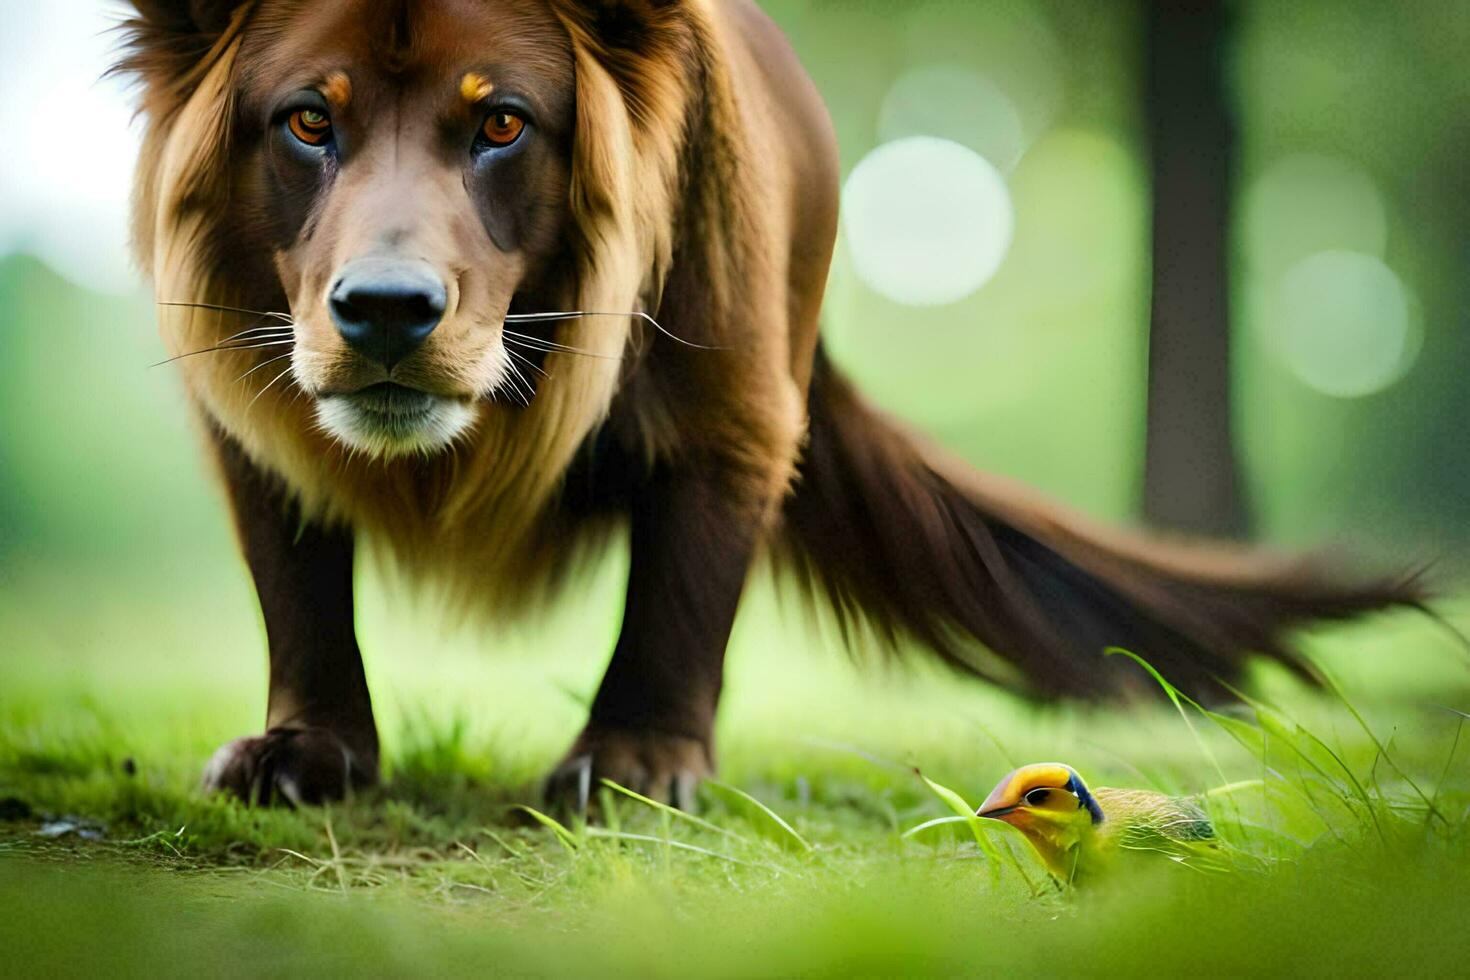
x: 1351, y: 815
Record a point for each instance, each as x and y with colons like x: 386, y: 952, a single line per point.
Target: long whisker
x: 261, y: 365
x: 525, y: 382
x: 227, y: 309
x: 544, y: 340
x: 262, y: 331
x: 556, y: 350
x: 551, y: 347
x: 211, y: 350
x: 525, y: 340
x: 509, y: 383
x: 267, y: 388
x: 527, y: 362
x: 575, y: 314
x: 538, y: 340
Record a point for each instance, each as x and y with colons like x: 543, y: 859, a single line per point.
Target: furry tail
x: 1001, y: 584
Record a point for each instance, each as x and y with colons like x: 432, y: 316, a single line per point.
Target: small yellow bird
x: 1078, y: 832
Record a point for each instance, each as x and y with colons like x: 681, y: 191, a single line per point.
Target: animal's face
x: 402, y: 174
x: 1045, y: 800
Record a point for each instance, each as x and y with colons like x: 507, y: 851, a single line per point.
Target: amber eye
x: 502, y: 128
x: 310, y: 126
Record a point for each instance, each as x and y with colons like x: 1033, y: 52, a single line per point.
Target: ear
x: 167, y: 41
x: 627, y: 24
x: 182, y: 53
x: 186, y: 16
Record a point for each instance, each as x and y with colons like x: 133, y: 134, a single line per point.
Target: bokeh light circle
x: 1012, y: 44
x: 954, y: 103
x: 926, y: 220
x: 1343, y: 324
x: 1304, y: 204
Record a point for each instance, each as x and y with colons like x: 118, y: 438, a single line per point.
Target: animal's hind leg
x: 651, y: 725
x: 320, y: 739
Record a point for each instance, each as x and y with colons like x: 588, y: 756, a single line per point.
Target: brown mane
x: 475, y: 521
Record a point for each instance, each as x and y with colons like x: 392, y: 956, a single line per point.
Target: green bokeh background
x: 1039, y: 375
x: 126, y: 616
x: 113, y: 537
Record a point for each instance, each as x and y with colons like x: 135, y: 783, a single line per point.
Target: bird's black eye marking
x: 1037, y: 797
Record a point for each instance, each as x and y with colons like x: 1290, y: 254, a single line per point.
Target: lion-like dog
x: 478, y: 279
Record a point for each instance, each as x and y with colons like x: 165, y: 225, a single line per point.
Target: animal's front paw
x: 289, y: 765
x: 659, y: 765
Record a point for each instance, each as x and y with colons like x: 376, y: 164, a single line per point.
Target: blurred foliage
x: 924, y: 920
x: 128, y: 629
x: 1038, y: 375
x: 1383, y: 87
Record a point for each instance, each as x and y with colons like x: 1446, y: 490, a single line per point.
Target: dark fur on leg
x: 321, y: 740
x: 652, y: 723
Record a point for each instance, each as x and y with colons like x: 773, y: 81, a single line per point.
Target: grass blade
x: 563, y: 835
x: 1234, y: 787
x: 1337, y: 692
x: 672, y: 811
x: 930, y: 824
x: 779, y: 830
x: 1180, y: 699
x: 622, y: 835
x: 992, y: 851
x: 957, y: 803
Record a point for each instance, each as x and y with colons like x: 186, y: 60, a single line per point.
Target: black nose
x: 386, y: 308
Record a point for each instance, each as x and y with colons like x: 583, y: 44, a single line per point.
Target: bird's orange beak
x: 1001, y: 803
x: 1006, y: 802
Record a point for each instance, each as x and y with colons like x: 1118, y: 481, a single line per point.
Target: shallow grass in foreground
x: 1345, y: 914
x: 1349, y: 815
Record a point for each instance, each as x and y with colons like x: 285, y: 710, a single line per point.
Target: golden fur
x: 473, y: 520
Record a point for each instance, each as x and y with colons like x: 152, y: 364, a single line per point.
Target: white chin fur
x: 382, y: 436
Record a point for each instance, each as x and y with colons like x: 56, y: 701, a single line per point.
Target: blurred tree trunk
x: 1191, y: 479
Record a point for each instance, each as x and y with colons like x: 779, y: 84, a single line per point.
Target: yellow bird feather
x: 1080, y: 832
